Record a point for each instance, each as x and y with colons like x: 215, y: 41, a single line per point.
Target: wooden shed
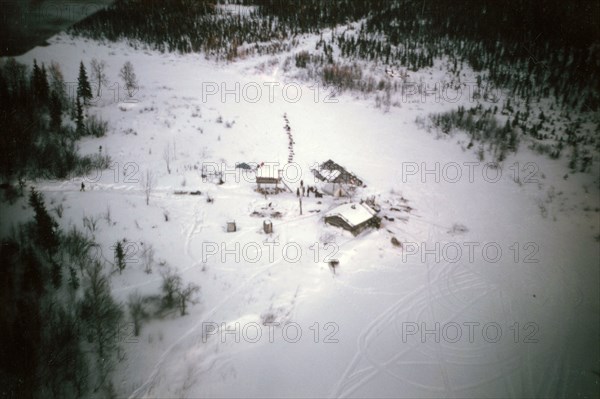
x: 231, y: 226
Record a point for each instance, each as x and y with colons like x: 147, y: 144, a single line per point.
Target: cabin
x: 335, y: 180
x: 354, y: 218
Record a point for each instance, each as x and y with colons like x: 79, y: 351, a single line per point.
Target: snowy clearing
x: 493, y: 290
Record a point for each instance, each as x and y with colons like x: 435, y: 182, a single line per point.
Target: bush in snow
x: 96, y: 126
x: 458, y: 228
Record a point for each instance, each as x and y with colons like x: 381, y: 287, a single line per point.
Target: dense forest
x: 534, y: 49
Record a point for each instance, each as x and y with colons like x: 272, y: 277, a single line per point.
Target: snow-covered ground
x: 494, y: 292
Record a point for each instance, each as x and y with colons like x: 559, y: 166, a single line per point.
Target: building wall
x: 356, y: 230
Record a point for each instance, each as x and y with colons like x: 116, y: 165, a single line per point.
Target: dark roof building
x: 332, y: 172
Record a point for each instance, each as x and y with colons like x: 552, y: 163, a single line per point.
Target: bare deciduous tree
x: 57, y: 82
x: 175, y: 294
x: 137, y: 311
x: 98, y: 75
x: 101, y: 316
x: 148, y: 258
x: 186, y: 295
x: 129, y: 78
x: 167, y: 157
x: 148, y: 184
x: 171, y: 286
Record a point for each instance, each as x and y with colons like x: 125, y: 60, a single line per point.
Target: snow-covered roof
x: 353, y: 214
x: 329, y: 175
x: 267, y: 172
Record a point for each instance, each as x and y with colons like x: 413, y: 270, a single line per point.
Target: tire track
x: 354, y: 378
x: 153, y: 378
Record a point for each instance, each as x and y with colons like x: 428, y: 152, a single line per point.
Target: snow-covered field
x: 494, y: 292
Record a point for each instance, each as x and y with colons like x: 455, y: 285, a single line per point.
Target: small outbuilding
x: 268, y: 227
x: 231, y: 226
x: 353, y: 217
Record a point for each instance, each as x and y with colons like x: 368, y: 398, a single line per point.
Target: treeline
x: 40, y: 123
x: 177, y: 25
x: 199, y: 25
x: 535, y: 49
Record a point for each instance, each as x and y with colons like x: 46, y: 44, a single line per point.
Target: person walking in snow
x: 82, y: 187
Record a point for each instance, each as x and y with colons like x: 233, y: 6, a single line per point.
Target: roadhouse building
x: 353, y: 217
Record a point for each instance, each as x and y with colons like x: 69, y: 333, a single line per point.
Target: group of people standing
x: 306, y: 190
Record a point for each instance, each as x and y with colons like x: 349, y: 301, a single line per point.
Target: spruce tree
x: 55, y: 111
x: 35, y: 81
x: 80, y: 127
x: 84, y: 89
x: 44, y: 87
x: 46, y: 227
x: 120, y: 257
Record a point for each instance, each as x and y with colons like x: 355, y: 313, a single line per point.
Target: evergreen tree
x: 55, y: 111
x: 44, y: 87
x: 56, y: 274
x: 84, y: 89
x: 35, y: 80
x: 39, y: 84
x: 46, y: 227
x: 80, y: 126
x: 120, y: 257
